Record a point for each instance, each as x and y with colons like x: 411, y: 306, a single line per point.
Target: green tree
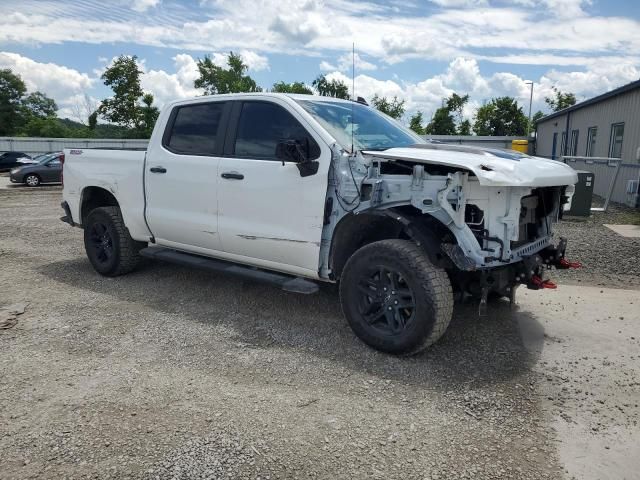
x: 130, y: 107
x: 535, y: 119
x: 560, y: 100
x: 447, y: 120
x: 295, y: 87
x: 93, y: 121
x: 454, y: 104
x: 537, y: 116
x: 441, y: 123
x: 333, y: 88
x: 12, y: 89
x: 394, y: 108
x: 501, y: 116
x: 464, y: 128
x: 37, y: 104
x: 149, y: 115
x: 217, y: 80
x: 45, y: 127
x: 415, y: 123
x: 124, y: 79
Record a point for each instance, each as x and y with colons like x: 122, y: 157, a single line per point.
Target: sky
x: 420, y: 50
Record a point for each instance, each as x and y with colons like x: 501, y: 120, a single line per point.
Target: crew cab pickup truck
x: 298, y: 189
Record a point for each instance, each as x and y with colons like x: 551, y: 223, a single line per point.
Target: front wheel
x: 394, y: 298
x: 109, y: 247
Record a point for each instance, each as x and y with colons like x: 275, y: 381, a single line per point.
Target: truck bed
x: 118, y: 170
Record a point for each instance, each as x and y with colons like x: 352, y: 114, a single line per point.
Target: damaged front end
x: 485, y: 216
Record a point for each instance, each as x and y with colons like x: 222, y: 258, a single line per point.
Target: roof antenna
x: 353, y: 88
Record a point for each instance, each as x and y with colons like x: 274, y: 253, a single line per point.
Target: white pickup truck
x: 295, y: 189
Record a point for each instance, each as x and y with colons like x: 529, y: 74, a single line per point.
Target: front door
x: 269, y: 214
x: 181, y: 177
x: 53, y: 171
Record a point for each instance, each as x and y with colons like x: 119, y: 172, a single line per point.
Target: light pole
x: 530, y: 102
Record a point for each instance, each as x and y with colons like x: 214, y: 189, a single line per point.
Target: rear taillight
x: 62, y: 171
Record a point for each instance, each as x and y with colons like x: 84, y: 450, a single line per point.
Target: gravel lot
x: 609, y: 259
x: 174, y: 373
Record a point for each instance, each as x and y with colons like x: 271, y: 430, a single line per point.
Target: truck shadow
x: 474, y: 350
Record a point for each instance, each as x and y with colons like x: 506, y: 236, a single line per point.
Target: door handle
x: 232, y: 175
x: 158, y: 170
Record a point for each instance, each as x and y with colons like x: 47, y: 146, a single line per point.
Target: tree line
x: 500, y: 116
x: 130, y: 112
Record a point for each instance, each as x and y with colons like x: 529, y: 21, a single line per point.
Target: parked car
x: 36, y: 159
x: 294, y: 189
x: 47, y: 170
x: 9, y: 160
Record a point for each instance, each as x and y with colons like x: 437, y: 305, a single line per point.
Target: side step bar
x: 285, y: 282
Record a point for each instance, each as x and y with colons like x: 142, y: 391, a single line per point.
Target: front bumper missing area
x: 529, y: 272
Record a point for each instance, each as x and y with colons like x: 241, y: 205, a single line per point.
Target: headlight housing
x: 13, y: 171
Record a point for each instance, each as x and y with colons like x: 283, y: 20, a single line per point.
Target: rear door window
x: 194, y: 129
x: 262, y: 125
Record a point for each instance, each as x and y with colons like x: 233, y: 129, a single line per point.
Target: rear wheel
x: 109, y: 247
x: 32, y: 180
x: 394, y: 299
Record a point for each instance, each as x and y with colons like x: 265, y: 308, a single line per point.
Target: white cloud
x: 367, y: 86
x: 326, y: 66
x: 251, y: 59
x: 65, y: 85
x: 166, y: 87
x: 48, y: 77
x: 346, y: 61
x: 254, y: 61
x: 522, y: 29
x: 463, y: 76
x: 562, y: 8
x: 144, y: 5
x: 460, y: 3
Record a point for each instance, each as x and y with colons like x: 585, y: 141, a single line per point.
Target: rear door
x: 181, y: 177
x: 269, y: 214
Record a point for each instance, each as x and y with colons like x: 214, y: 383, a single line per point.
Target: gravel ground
x: 609, y: 259
x: 174, y: 373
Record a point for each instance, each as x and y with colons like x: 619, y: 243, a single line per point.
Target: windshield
x: 45, y: 158
x: 371, y: 129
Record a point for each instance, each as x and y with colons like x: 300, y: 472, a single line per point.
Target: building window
x: 573, y: 146
x: 615, y: 143
x: 591, y: 141
x: 563, y: 142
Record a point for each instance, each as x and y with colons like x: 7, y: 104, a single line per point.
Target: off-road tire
x: 430, y: 289
x: 124, y: 250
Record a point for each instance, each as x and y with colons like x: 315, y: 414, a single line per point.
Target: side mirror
x: 293, y: 151
x: 290, y: 151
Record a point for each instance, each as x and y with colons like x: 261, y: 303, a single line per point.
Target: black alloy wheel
x: 102, y: 242
x: 394, y: 298
x: 386, y: 302
x: 108, y: 244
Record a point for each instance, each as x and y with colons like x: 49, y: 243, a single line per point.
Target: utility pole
x: 530, y: 102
